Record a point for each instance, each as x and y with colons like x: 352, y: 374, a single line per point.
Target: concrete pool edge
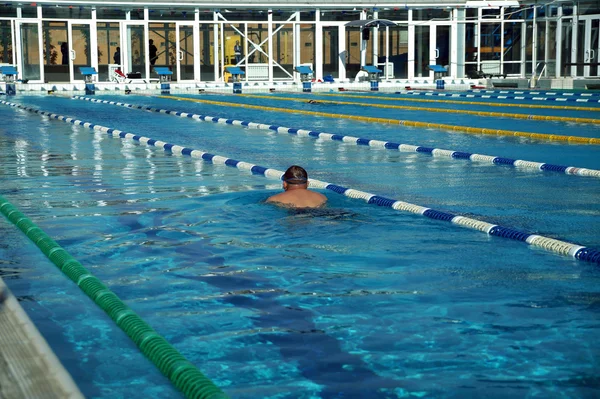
x: 30, y: 369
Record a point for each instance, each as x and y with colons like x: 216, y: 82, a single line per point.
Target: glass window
x: 110, y: 13
x: 257, y: 43
x: 307, y: 44
x: 490, y: 12
x: 514, y: 13
x: 136, y: 14
x: 8, y: 10
x: 28, y: 11
x: 567, y: 10
x: 57, y: 51
x: 512, y: 41
x: 30, y: 54
x: 331, y: 52
x: 6, y: 54
x: 395, y: 14
x: 109, y: 48
x: 472, y: 13
x: 244, y: 15
x: 490, y: 41
x: 283, y: 49
x: 307, y: 16
x: 471, y: 46
x: 156, y: 14
x: 398, y: 47
x: 162, y: 36
x: 206, y: 15
x: 340, y: 15
x: 431, y: 14
x: 207, y: 59
x: 282, y: 15
x: 67, y: 12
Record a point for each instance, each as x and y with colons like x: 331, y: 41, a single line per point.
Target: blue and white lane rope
x: 537, y: 93
x: 549, y: 244
x: 501, y: 97
x: 436, y: 152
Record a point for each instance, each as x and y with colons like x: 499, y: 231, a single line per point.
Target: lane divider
x: 549, y: 244
x: 480, y: 103
x: 540, y: 93
x: 500, y: 97
x: 428, y: 125
x: 436, y: 152
x: 181, y: 372
x: 443, y: 110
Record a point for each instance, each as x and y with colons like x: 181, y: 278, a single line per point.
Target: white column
x: 270, y: 43
x: 559, y: 21
x: 375, y: 40
x: 246, y: 50
x: 216, y: 41
x: 523, y: 48
x: 457, y: 46
x: 13, y: 30
x: 411, y: 47
x: 94, y: 41
x: 533, y: 43
x: 342, y: 51
x: 318, y: 46
x: 363, y: 43
x: 575, y: 33
x: 146, y: 44
x: 196, y: 33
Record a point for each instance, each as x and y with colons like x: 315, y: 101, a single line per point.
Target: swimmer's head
x: 295, y: 175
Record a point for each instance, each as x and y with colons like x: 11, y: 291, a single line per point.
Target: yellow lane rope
x: 454, y: 128
x: 486, y: 104
x: 448, y: 111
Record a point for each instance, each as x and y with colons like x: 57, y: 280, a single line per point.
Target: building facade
x: 48, y: 40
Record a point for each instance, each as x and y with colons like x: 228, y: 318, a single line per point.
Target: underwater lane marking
x: 447, y: 111
x: 575, y: 251
x: 453, y: 128
x: 436, y: 152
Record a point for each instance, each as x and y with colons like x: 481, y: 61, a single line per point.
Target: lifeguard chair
x: 373, y: 76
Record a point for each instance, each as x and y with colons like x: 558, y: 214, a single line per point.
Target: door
x: 29, y: 42
x: 80, y: 49
x: 133, y: 50
x: 423, y: 56
x: 187, y: 53
x: 441, y: 46
x: 332, y: 57
x: 591, y: 47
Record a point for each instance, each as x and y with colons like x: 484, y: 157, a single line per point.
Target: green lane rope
x: 182, y: 373
x: 443, y: 110
x: 441, y: 126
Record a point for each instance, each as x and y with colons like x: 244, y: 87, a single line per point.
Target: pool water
x: 351, y: 301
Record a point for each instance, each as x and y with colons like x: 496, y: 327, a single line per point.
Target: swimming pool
x: 353, y: 301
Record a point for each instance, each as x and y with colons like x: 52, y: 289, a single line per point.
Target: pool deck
x: 28, y: 367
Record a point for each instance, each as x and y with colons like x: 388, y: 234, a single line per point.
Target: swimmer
x: 313, y: 102
x: 296, y: 193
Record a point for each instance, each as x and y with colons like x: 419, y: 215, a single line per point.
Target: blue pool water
x: 353, y: 301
